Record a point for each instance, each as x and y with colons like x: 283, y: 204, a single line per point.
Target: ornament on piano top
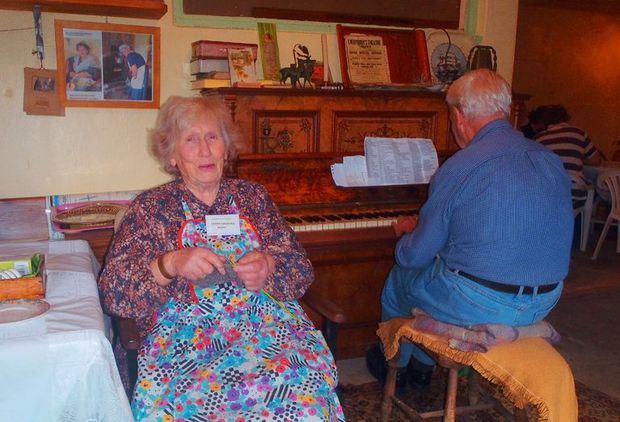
x: 301, y: 69
x: 482, y: 57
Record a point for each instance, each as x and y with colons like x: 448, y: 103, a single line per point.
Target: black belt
x: 507, y: 288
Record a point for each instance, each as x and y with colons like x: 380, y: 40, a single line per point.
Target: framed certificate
x: 367, y: 60
x: 377, y: 56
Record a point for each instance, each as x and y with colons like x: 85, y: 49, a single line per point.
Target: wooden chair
x: 528, y: 371
x: 126, y: 329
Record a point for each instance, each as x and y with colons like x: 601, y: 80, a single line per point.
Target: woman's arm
x: 127, y: 284
x: 291, y: 273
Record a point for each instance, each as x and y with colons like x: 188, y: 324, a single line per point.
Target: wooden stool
x: 529, y: 371
x: 450, y: 409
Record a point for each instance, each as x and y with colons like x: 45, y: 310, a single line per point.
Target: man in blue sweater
x: 492, y: 242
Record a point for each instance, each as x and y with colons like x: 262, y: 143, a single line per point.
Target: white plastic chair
x: 586, y: 215
x: 613, y: 183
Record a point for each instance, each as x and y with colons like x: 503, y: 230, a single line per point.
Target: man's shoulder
x: 506, y: 143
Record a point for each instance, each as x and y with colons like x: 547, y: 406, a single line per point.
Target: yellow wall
x: 497, y: 26
x: 572, y: 57
x: 100, y: 150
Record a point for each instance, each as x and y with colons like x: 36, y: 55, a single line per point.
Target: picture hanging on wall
x: 41, y: 92
x: 107, y: 65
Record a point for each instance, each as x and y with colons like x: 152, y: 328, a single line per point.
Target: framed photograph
x: 107, y: 65
x: 241, y: 65
x: 41, y: 92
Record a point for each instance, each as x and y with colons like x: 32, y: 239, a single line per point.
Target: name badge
x: 223, y: 225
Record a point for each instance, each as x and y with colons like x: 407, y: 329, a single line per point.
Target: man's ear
x: 459, y: 117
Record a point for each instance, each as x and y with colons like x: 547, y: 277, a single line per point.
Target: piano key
x: 346, y: 220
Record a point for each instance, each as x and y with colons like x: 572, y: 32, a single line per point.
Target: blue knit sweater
x: 499, y: 209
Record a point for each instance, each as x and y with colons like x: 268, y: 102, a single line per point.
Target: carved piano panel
x: 308, y: 120
x: 286, y: 131
x: 353, y: 127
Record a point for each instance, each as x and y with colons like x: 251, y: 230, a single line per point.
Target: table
x: 60, y: 366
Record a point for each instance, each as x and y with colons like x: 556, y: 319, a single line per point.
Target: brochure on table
x: 388, y: 161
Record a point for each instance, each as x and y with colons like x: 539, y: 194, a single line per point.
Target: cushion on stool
x: 529, y: 371
x: 481, y: 337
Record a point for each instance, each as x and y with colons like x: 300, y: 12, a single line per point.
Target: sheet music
x: 352, y: 171
x: 388, y: 161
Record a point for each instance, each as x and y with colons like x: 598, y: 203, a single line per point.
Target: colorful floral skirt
x: 235, y: 355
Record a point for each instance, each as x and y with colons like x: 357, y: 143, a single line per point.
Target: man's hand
x: 405, y: 224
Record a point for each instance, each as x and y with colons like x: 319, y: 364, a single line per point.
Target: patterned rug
x: 361, y: 403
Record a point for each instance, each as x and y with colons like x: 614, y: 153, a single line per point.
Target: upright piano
x: 290, y: 139
x: 347, y: 233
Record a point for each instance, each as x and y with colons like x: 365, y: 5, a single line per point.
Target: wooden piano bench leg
x: 389, y: 390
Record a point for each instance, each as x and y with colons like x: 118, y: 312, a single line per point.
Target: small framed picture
x: 241, y: 65
x: 41, y: 92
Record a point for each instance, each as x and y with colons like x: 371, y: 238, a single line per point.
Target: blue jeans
x: 454, y: 299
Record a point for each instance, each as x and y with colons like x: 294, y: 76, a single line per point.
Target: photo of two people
x: 102, y: 65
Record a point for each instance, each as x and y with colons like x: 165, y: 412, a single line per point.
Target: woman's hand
x: 191, y: 263
x: 405, y: 224
x: 254, y: 268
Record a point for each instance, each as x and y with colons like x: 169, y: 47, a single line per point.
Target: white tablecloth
x: 60, y: 366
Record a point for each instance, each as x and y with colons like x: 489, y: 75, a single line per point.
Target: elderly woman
x: 211, y: 272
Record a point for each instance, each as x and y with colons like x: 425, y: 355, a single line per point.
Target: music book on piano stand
x: 388, y: 161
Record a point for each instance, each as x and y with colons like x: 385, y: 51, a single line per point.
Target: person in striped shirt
x: 573, y: 146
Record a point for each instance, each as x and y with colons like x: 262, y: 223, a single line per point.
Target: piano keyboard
x: 347, y: 220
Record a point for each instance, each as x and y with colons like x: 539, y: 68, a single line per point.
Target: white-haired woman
x: 211, y: 272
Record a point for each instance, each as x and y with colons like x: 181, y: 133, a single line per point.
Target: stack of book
x: 209, y: 64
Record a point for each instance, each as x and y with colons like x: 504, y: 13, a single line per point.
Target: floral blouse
x: 150, y: 228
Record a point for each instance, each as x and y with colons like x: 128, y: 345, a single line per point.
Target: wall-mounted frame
x: 107, y: 65
x: 41, y: 92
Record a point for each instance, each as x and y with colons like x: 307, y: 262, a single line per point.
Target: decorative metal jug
x: 482, y: 57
